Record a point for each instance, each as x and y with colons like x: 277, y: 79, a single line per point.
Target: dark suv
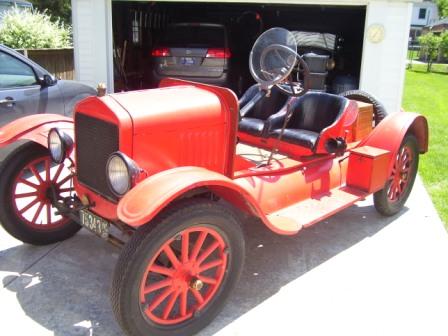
x: 193, y: 51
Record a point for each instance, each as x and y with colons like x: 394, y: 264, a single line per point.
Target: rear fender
x: 389, y: 134
x: 152, y: 195
x: 35, y: 128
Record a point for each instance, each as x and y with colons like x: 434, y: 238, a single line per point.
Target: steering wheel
x: 281, y: 73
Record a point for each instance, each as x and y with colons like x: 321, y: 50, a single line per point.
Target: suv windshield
x: 180, y: 36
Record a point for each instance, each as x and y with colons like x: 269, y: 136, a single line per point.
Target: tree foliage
x: 444, y: 43
x: 58, y: 9
x: 443, y: 8
x: 431, y: 46
x: 32, y: 30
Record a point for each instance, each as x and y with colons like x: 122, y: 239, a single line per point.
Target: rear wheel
x: 27, y: 177
x: 174, y: 275
x: 390, y: 200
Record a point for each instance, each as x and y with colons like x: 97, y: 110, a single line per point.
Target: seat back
x: 267, y: 106
x: 315, y: 111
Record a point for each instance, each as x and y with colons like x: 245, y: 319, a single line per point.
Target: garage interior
x: 138, y: 26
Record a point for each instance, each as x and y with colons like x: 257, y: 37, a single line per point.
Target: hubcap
x: 183, y: 276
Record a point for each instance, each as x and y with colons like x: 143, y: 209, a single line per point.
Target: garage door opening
x: 210, y: 42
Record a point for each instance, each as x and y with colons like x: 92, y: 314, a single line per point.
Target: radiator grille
x: 95, y: 140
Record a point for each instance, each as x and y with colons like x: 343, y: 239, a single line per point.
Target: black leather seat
x: 254, y: 121
x: 311, y: 114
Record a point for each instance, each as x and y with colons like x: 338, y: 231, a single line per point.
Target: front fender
x: 390, y: 133
x: 34, y: 127
x: 152, y: 195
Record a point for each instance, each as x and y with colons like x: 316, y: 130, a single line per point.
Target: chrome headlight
x: 60, y: 145
x: 121, y: 173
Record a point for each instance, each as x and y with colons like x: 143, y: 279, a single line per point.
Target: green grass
x: 426, y: 93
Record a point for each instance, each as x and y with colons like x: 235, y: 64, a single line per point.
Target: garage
x: 331, y: 35
x: 358, y: 43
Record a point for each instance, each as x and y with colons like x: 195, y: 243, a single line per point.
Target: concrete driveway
x: 356, y: 274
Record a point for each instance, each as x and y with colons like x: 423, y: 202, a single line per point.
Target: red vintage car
x: 171, y: 174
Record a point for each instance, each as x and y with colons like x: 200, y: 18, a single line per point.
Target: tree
x: 58, y: 9
x: 443, y: 8
x: 444, y: 43
x: 33, y: 30
x: 431, y: 46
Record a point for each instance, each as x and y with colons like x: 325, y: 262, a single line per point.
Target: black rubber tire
x: 146, y: 241
x: 380, y: 199
x: 10, y: 168
x: 379, y: 110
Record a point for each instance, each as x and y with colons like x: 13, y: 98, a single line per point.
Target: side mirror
x: 48, y: 80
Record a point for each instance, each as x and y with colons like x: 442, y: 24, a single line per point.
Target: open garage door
x: 210, y: 42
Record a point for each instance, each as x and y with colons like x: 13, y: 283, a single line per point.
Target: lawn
x: 426, y: 93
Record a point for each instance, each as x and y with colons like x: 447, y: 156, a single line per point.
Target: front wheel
x: 390, y: 200
x: 174, y: 275
x: 27, y: 178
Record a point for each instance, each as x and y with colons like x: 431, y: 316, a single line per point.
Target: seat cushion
x: 299, y: 137
x: 251, y: 125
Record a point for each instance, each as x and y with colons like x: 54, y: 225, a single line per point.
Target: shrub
x: 430, y: 44
x: 25, y: 29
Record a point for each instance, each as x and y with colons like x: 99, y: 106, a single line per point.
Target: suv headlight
x: 121, y: 173
x: 60, y: 145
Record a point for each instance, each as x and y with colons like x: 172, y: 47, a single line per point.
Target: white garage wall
x: 383, y: 64
x: 92, y: 39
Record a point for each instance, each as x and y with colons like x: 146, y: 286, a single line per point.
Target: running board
x: 306, y: 213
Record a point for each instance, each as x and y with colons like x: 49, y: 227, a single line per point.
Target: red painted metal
x: 34, y: 128
x: 32, y: 187
x: 368, y: 168
x: 169, y: 293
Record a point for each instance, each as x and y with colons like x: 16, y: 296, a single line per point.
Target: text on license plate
x: 94, y: 223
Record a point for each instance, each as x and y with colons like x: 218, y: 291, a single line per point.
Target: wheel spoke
x: 58, y: 172
x: 65, y: 179
x: 197, y: 295
x: 207, y: 280
x: 198, y: 245
x: 38, y: 211
x: 209, y: 265
x: 169, y: 306
x: 34, y: 193
x: 162, y: 270
x: 66, y: 189
x: 183, y: 302
x: 30, y: 205
x: 160, y: 298
x: 36, y: 173
x: 185, y: 246
x: 47, y: 170
x: 171, y: 255
x: 156, y: 286
x: 48, y: 214
x: 207, y: 252
x: 28, y: 183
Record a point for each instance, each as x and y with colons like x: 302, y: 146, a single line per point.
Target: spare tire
x: 379, y: 110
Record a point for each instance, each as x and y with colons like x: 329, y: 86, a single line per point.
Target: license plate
x: 187, y: 61
x: 94, y: 223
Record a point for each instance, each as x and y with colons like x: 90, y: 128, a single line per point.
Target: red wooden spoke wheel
x: 169, y: 295
x: 30, y: 181
x: 392, y: 197
x: 401, y: 174
x: 174, y: 275
x: 32, y: 193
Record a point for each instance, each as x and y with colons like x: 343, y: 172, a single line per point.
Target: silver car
x: 27, y: 88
